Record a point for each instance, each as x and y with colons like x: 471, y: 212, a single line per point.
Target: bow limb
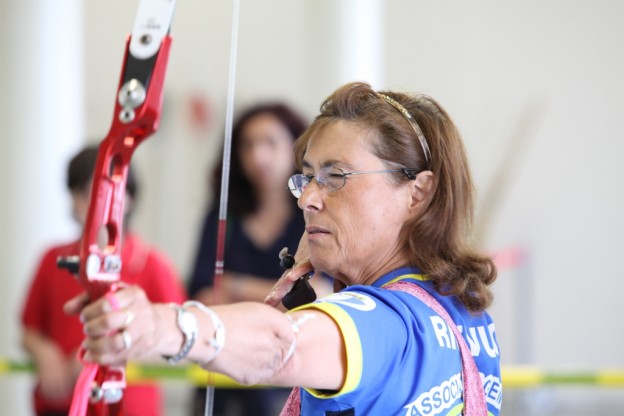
x: 136, y: 116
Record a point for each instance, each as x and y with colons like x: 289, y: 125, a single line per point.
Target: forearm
x: 258, y: 340
x: 39, y: 346
x: 264, y: 345
x: 260, y: 343
x: 56, y: 374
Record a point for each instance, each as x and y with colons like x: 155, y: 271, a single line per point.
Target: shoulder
x: 212, y: 216
x: 49, y: 256
x: 140, y: 253
x: 361, y: 308
x: 370, y: 298
x: 63, y: 249
x: 152, y: 270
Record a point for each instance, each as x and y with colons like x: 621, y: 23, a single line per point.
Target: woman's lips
x: 312, y: 230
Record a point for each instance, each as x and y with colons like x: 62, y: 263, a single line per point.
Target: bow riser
x: 100, y: 264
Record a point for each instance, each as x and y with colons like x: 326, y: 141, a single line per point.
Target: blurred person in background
x: 51, y: 337
x: 262, y: 219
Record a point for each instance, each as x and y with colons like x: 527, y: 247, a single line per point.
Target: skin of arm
x: 258, y: 340
x: 56, y: 373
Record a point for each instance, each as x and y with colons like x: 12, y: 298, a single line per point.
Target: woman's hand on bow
x: 123, y: 325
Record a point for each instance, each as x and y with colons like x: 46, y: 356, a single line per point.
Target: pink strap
x: 82, y: 390
x: 112, y: 299
x: 474, y: 396
x: 293, y: 404
x: 84, y: 383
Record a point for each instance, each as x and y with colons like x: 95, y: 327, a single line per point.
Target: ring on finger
x: 127, y: 340
x: 128, y: 320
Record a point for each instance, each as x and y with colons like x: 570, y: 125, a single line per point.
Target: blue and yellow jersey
x: 402, y: 358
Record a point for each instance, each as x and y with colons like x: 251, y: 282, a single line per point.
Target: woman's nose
x: 312, y: 197
x: 258, y: 155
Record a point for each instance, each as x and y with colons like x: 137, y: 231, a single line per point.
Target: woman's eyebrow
x: 330, y: 162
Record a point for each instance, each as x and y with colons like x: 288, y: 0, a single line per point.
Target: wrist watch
x: 187, y: 323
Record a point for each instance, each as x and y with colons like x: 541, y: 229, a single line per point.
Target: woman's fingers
x: 117, y: 326
x: 137, y: 340
x: 75, y: 305
x: 122, y: 299
x: 286, y: 283
x: 104, y: 324
x: 109, y: 350
x: 288, y: 279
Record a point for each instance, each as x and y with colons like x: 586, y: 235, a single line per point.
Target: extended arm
x: 258, y: 347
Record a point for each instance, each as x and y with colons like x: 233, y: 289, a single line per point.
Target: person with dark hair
x: 51, y: 337
x: 262, y: 219
x: 387, y: 197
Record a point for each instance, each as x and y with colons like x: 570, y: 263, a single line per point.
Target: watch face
x: 187, y: 322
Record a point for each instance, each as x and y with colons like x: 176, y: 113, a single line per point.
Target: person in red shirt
x: 52, y: 338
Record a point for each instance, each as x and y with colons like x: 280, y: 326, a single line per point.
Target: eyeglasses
x: 333, y: 179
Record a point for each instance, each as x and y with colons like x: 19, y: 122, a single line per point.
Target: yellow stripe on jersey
x: 414, y: 276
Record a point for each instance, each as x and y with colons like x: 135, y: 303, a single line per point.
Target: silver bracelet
x: 218, y: 340
x: 187, y: 323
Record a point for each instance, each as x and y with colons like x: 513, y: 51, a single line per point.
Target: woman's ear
x: 421, y: 188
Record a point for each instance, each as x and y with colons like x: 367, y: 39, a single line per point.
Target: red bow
x: 136, y: 116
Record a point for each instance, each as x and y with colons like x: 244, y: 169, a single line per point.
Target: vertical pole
x: 42, y: 125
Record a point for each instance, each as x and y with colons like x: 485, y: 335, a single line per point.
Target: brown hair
x: 243, y: 199
x: 80, y: 172
x: 438, y: 239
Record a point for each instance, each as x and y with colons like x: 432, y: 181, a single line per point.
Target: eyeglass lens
x: 329, y: 177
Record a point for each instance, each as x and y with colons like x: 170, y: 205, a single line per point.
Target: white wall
x: 554, y: 68
x: 547, y: 74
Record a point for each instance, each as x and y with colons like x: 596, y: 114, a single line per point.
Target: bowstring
x: 225, y: 181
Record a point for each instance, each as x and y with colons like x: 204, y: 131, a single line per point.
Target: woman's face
x: 353, y: 232
x: 265, y: 152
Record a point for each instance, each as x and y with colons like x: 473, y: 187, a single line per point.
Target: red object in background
x: 509, y: 258
x: 201, y: 113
